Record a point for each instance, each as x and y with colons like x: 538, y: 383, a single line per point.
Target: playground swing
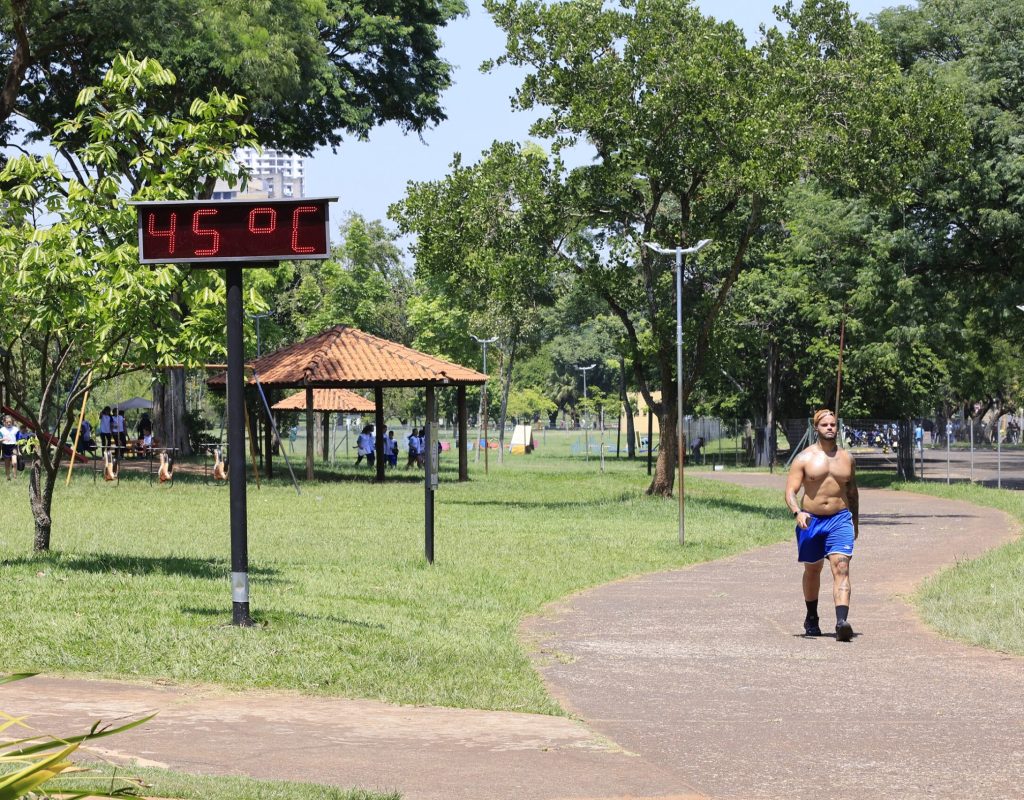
x: 111, y: 472
x: 220, y: 470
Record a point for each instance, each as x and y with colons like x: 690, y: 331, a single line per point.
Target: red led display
x: 233, y: 230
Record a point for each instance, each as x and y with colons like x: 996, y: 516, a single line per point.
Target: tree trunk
x: 169, y: 423
x: 665, y: 468
x: 40, y: 495
x: 624, y: 394
x: 506, y: 386
x: 770, y: 402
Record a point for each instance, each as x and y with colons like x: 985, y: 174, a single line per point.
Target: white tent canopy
x: 135, y: 402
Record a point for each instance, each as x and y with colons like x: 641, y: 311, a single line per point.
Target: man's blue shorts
x: 824, y: 536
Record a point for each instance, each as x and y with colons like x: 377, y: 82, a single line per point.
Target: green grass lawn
x: 136, y: 584
x: 980, y: 601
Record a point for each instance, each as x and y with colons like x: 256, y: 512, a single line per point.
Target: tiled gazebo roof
x: 345, y: 357
x: 339, y: 400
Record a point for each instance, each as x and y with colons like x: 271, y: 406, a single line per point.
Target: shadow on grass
x: 553, y: 505
x: 101, y: 563
x: 269, y: 618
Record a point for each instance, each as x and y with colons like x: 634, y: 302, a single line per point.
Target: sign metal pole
x: 236, y: 451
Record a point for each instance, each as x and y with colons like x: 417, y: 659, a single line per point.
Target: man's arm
x: 793, y: 484
x: 853, y: 498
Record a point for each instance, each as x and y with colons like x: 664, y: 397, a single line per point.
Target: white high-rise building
x: 273, y: 174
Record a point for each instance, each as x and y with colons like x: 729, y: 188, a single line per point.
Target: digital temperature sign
x: 217, y: 231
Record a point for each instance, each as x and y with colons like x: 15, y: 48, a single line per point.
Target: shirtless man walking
x: 827, y: 524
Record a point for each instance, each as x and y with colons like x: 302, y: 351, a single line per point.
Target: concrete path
x: 692, y: 683
x: 704, y: 670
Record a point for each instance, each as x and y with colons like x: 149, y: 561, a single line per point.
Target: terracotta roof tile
x: 341, y: 400
x: 347, y: 357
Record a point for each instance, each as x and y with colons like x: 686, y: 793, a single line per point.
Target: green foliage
x: 965, y: 219
x: 363, y: 284
x: 484, y: 236
x: 529, y: 404
x: 695, y: 135
x: 312, y: 70
x: 78, y: 306
x: 36, y: 760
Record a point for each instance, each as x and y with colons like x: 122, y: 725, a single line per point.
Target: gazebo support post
x: 460, y: 396
x: 378, y: 418
x: 310, y: 426
x: 327, y: 436
x: 430, y: 471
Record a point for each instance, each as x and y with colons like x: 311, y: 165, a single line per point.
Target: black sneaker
x: 844, y: 631
x: 811, y: 627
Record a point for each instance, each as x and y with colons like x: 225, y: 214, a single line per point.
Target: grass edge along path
x: 137, y: 585
x: 153, y: 783
x: 978, y: 601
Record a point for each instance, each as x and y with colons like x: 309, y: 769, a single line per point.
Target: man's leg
x: 811, y: 586
x: 841, y: 594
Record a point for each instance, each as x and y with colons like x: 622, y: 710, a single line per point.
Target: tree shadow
x: 111, y: 563
x: 553, y: 505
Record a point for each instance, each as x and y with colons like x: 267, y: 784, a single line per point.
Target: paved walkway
x: 692, y: 683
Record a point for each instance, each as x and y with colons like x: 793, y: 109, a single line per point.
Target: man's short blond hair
x: 820, y: 414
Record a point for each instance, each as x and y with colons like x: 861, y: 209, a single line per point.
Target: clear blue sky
x: 368, y: 176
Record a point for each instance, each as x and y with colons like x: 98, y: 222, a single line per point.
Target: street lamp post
x: 586, y: 436
x: 483, y: 399
x: 259, y: 342
x: 679, y: 253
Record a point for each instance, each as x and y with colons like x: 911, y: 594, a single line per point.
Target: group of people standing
x: 366, y: 447
x: 114, y: 433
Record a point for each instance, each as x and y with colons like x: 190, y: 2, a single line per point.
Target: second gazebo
x: 343, y: 357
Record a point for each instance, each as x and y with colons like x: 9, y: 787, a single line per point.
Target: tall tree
x: 696, y: 135
x: 78, y: 306
x: 311, y: 70
x: 967, y: 218
x: 484, y: 243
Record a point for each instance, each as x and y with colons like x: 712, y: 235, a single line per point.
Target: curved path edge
x: 704, y: 670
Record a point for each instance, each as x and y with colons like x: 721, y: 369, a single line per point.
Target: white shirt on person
x: 117, y: 424
x: 104, y: 423
x: 9, y: 435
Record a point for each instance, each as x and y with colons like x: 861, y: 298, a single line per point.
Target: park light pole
x: 679, y: 252
x: 483, y: 399
x: 259, y: 342
x: 586, y: 436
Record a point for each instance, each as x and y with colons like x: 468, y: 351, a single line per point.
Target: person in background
x: 392, y: 451
x: 364, y: 446
x: 413, y: 447
x: 118, y: 432
x: 23, y: 437
x: 145, y: 431
x: 105, y: 428
x: 9, y: 446
x: 85, y: 440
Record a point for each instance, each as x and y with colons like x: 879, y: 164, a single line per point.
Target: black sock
x: 841, y: 612
x: 812, y: 609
